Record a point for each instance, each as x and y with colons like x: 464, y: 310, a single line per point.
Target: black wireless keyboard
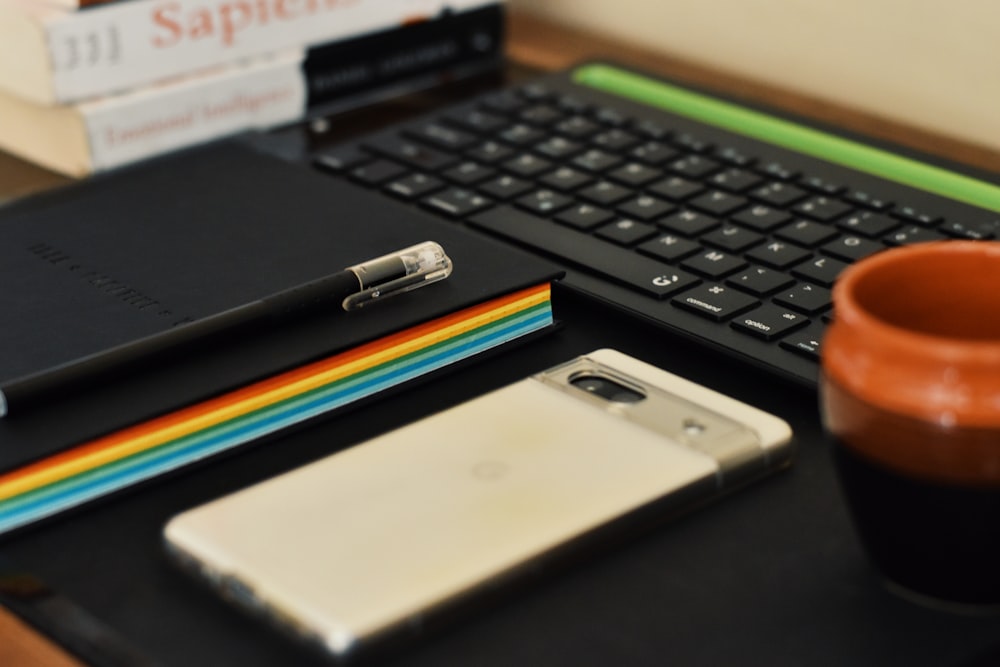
x: 720, y: 222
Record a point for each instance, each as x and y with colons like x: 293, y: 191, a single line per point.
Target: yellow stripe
x: 99, y: 457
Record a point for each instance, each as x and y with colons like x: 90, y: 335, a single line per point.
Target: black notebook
x: 125, y: 256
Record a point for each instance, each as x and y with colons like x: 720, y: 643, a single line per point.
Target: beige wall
x: 930, y: 63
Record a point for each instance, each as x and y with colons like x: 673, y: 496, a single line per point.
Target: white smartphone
x: 374, y: 541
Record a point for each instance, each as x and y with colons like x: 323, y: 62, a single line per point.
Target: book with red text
x: 108, y: 132
x: 50, y: 55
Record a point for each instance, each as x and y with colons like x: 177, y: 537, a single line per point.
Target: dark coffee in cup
x: 911, y: 397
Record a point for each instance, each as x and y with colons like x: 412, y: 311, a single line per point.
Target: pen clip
x: 399, y: 272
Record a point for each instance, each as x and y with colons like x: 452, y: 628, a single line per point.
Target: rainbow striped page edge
x: 120, y: 459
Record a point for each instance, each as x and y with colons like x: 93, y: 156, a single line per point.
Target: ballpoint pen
x: 354, y: 287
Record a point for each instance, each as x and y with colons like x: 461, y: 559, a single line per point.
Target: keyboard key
x: 573, y: 105
x: 690, y: 143
x: 642, y: 274
x: 414, y: 186
x: 762, y: 218
x: 735, y: 180
x: 476, y: 120
x: 868, y: 200
x: 544, y: 202
x: 651, y: 130
x: 807, y: 342
x: 806, y: 233
x: 596, y: 161
x: 820, y: 270
x: 912, y: 215
x: 694, y: 166
x: 584, y: 216
x: 645, y: 208
x: 718, y: 203
x: 626, y: 232
x: 615, y: 140
x: 760, y: 281
x: 505, y: 101
x: 913, y: 234
x: 558, y: 148
x: 377, y: 172
x: 715, y: 302
x: 522, y: 135
x: 442, y: 136
x: 669, y: 248
x: 689, y: 223
x: 541, y: 114
x: 769, y: 322
x: 505, y: 187
x: 577, y: 127
x: 456, y: 202
x: 732, y: 238
x: 566, y: 179
x: 610, y: 117
x: 341, y: 158
x: 780, y: 195
x: 605, y: 193
x: 527, y: 165
x: 971, y: 231
x: 851, y: 248
x: 806, y: 299
x: 410, y: 152
x: 732, y: 156
x: 469, y: 173
x: 676, y: 189
x: 714, y: 264
x: 490, y: 152
x: 777, y: 170
x: 634, y: 174
x: 778, y: 255
x: 653, y: 153
x: 536, y: 92
x: 866, y: 223
x: 820, y: 185
x: 823, y: 209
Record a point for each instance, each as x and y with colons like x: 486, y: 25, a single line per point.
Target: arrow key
x: 807, y: 342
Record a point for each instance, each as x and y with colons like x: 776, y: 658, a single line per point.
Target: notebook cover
x: 131, y: 254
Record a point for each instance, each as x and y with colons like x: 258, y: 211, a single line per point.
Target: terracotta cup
x: 910, y: 394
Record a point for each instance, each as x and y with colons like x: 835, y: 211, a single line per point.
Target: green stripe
x: 791, y: 135
x: 191, y: 440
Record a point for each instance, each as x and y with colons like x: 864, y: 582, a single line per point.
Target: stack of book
x: 90, y: 85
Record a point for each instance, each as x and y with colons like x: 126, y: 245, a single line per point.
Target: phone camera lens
x: 607, y: 389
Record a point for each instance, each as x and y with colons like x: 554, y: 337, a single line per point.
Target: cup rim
x: 952, y: 348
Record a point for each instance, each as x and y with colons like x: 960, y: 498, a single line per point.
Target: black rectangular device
x: 726, y: 224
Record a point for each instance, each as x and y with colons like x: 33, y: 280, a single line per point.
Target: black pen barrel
x: 326, y: 293
x: 24, y: 392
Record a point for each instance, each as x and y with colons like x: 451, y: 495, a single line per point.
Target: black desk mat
x: 770, y: 575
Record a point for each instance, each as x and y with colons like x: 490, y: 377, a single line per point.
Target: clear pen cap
x: 401, y: 271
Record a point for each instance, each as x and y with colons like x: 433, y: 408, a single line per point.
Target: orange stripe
x: 206, y: 408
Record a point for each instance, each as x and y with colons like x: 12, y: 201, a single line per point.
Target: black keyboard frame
x: 801, y: 366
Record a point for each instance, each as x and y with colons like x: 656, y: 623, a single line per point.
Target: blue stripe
x: 19, y: 511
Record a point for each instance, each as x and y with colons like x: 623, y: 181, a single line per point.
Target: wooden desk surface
x: 541, y: 44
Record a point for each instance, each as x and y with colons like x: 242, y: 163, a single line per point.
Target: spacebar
x: 641, y: 273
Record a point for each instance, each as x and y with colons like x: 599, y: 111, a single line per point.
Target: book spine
x: 186, y: 112
x: 113, y: 47
x: 348, y: 69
